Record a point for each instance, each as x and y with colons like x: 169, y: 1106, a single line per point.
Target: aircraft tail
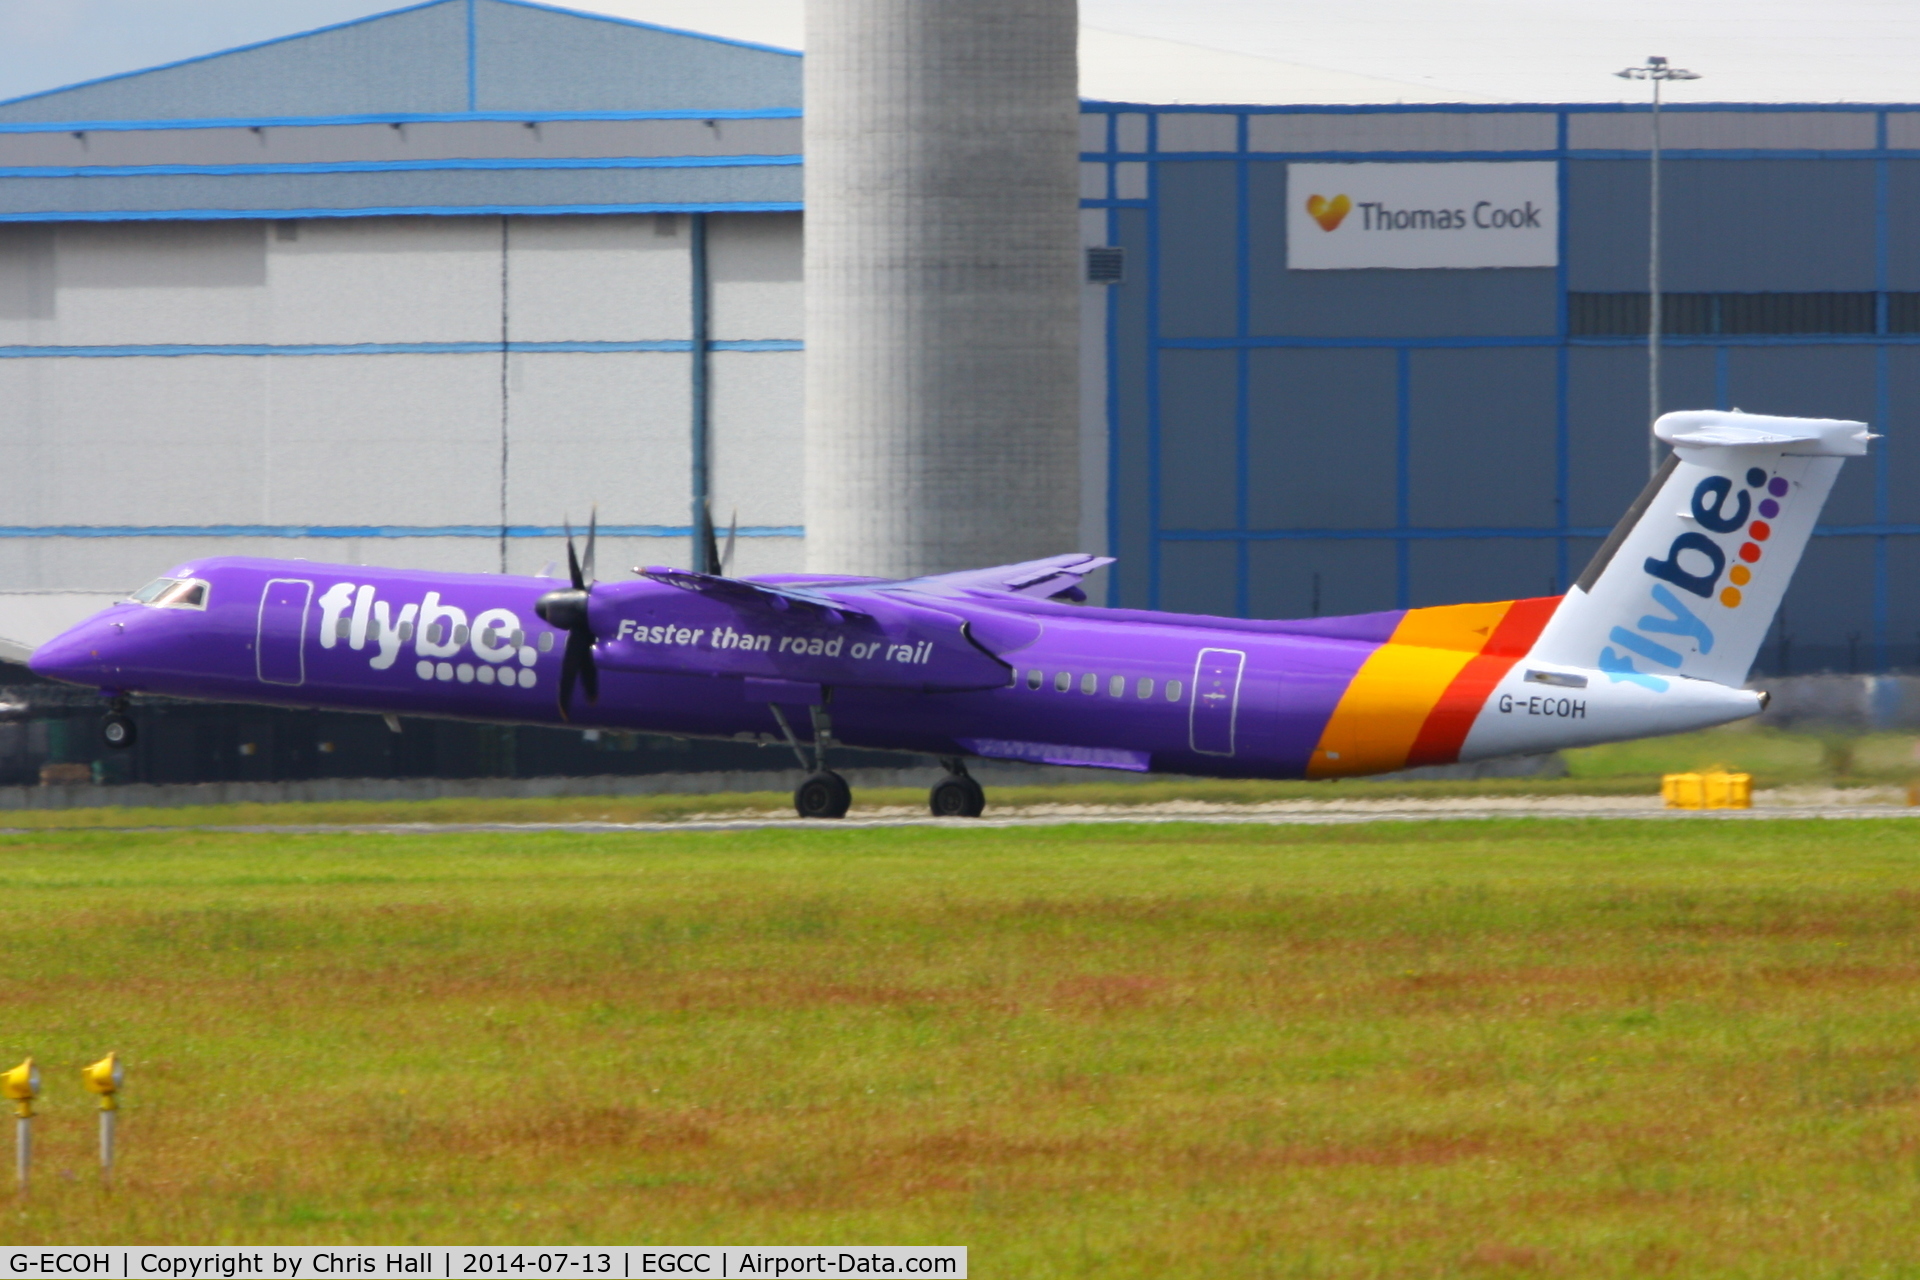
x: 1690, y: 579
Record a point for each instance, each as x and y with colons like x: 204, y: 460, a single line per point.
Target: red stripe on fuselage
x: 1447, y: 725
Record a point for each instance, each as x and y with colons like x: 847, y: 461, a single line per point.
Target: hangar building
x: 415, y: 289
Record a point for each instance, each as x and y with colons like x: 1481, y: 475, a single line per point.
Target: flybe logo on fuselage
x: 1694, y: 563
x: 441, y: 634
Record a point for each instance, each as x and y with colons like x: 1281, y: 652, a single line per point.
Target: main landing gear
x: 825, y: 794
x: 957, y: 795
x: 117, y: 728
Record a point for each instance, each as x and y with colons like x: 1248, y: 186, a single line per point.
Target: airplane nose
x: 80, y: 655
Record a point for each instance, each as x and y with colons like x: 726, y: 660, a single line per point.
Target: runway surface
x: 1797, y: 804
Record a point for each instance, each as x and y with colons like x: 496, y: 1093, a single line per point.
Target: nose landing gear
x: 957, y: 795
x: 117, y: 728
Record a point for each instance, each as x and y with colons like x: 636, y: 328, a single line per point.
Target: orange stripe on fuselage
x: 1446, y: 729
x: 1391, y: 697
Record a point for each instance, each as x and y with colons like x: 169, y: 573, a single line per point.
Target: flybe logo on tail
x: 1695, y: 564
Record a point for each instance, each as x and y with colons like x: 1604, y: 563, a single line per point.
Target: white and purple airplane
x: 1007, y: 663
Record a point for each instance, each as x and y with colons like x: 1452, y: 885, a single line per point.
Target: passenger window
x: 546, y: 642
x: 406, y: 632
x: 1117, y: 687
x: 1173, y: 691
x: 1062, y: 681
x: 460, y: 634
x: 1089, y: 683
x: 1034, y: 678
x: 1145, y: 687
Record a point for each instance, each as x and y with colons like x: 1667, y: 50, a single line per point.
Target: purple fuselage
x: 924, y: 667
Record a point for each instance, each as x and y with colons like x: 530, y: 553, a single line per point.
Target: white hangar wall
x: 389, y: 390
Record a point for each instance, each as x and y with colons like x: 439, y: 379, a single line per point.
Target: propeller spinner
x: 566, y: 609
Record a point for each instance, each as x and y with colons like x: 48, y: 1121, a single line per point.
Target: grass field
x: 1559, y: 1048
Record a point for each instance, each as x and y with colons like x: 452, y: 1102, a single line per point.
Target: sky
x: 1187, y: 50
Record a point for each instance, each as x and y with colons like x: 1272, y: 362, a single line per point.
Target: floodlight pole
x: 1655, y: 70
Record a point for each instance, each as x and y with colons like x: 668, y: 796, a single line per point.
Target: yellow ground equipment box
x: 1712, y: 789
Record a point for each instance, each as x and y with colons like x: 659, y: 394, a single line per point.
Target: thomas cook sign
x: 1465, y: 214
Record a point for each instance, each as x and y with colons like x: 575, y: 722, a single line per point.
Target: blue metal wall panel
x: 411, y: 61
x: 1320, y: 450
x: 1482, y: 438
x: 1450, y: 571
x: 1133, y: 481
x: 1827, y: 617
x: 1198, y: 279
x: 1197, y: 577
x: 1902, y: 444
x: 1903, y: 614
x: 1756, y: 225
x: 1302, y: 578
x: 530, y: 59
x: 1199, y: 455
x: 1903, y: 209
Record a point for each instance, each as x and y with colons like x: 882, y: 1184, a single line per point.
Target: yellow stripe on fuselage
x: 1397, y: 688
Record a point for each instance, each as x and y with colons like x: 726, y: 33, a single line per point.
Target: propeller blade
x: 710, y: 550
x: 573, y: 561
x: 589, y: 670
x: 593, y: 521
x: 726, y: 559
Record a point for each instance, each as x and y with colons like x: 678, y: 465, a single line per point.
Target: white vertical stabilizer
x: 1691, y: 578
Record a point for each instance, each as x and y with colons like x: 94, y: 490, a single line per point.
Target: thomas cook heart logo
x: 1329, y: 213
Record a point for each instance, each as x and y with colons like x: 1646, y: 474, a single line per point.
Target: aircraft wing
x: 743, y: 594
x: 1036, y: 579
x: 730, y: 627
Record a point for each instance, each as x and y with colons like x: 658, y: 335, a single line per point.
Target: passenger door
x: 279, y: 642
x: 1216, y: 701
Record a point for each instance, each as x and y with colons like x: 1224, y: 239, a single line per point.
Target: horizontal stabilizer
x: 1811, y: 437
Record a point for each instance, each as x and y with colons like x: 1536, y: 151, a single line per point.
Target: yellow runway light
x: 22, y: 1084
x: 104, y: 1079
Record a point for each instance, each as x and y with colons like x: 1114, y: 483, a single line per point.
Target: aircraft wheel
x: 823, y: 795
x: 957, y: 796
x: 117, y: 731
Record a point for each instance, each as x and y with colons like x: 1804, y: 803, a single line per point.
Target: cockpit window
x: 190, y: 593
x: 173, y: 593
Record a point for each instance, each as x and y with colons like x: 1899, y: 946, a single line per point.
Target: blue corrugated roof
x: 441, y: 58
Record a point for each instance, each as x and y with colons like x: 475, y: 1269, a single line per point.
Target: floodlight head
x: 22, y: 1085
x: 104, y: 1078
x: 1655, y: 60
